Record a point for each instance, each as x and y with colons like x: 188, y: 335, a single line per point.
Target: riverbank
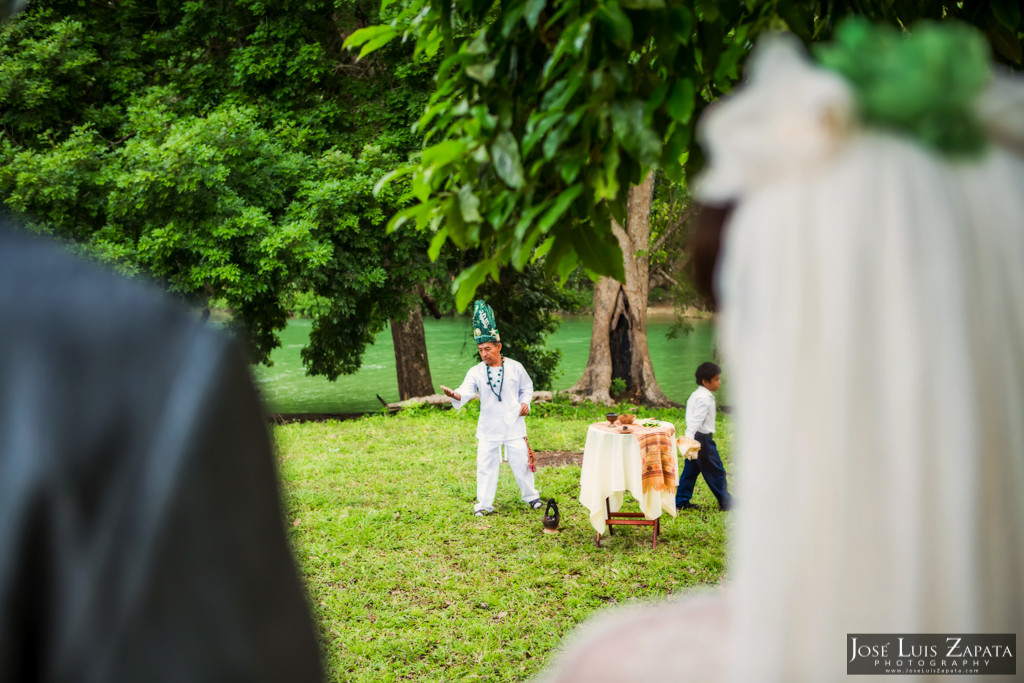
x: 287, y: 389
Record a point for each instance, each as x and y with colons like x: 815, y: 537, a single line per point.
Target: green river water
x: 287, y: 389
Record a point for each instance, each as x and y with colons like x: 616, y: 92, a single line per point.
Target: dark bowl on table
x: 611, y: 417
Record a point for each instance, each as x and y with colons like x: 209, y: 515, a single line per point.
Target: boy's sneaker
x: 481, y: 513
x: 536, y: 504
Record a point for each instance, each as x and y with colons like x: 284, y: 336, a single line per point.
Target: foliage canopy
x: 546, y: 111
x: 224, y: 150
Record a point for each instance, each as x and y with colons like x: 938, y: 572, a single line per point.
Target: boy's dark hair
x: 707, y: 372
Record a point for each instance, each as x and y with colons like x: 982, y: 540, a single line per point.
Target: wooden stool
x: 631, y: 519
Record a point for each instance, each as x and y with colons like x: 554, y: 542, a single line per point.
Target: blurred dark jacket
x: 141, y: 532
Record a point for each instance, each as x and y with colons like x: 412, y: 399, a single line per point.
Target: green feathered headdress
x: 485, y: 327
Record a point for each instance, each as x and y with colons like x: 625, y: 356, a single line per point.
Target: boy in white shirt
x: 700, y: 425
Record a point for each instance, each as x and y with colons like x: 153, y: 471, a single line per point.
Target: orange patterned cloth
x: 657, y: 453
x: 657, y: 457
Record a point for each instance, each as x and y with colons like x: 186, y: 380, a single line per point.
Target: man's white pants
x: 488, y: 464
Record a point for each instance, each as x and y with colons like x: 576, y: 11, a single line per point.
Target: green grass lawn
x: 406, y: 584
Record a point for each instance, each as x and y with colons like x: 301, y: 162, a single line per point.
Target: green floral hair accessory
x: 923, y: 84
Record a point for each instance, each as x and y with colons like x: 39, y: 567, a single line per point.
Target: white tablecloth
x: 612, y: 466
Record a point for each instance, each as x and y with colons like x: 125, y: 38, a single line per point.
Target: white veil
x: 872, y: 319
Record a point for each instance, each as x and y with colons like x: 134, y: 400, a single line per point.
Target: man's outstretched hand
x: 524, y: 408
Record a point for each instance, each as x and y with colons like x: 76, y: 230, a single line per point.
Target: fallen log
x: 433, y: 400
x: 443, y: 401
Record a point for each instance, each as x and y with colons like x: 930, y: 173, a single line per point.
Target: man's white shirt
x: 499, y: 420
x: 700, y: 412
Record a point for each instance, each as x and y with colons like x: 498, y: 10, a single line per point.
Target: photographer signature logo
x: 931, y: 653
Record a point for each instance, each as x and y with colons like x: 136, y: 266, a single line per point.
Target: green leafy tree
x: 546, y: 112
x: 228, y: 151
x: 548, y: 116
x: 175, y: 139
x: 198, y: 203
x: 371, y: 277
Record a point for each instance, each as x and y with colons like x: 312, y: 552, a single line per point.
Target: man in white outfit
x: 505, y: 391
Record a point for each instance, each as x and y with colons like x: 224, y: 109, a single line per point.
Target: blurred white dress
x: 872, y: 320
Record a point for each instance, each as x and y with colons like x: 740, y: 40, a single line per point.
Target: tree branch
x: 431, y: 305
x: 683, y: 220
x: 661, y: 278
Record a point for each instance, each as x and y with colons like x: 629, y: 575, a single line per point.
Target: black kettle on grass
x: 551, y: 517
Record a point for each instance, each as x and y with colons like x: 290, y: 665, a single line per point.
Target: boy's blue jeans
x: 709, y: 464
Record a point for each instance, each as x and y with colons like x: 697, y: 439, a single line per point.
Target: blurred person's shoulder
x: 94, y: 357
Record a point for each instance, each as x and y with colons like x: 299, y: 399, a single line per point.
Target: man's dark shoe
x: 689, y: 506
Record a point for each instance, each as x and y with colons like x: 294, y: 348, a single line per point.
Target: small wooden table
x: 612, y: 465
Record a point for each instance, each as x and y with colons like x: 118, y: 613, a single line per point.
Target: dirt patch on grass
x: 556, y: 458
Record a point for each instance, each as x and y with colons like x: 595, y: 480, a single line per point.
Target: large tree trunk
x: 618, y: 345
x: 411, y: 356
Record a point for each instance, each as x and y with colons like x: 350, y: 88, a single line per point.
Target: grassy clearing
x: 407, y: 585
